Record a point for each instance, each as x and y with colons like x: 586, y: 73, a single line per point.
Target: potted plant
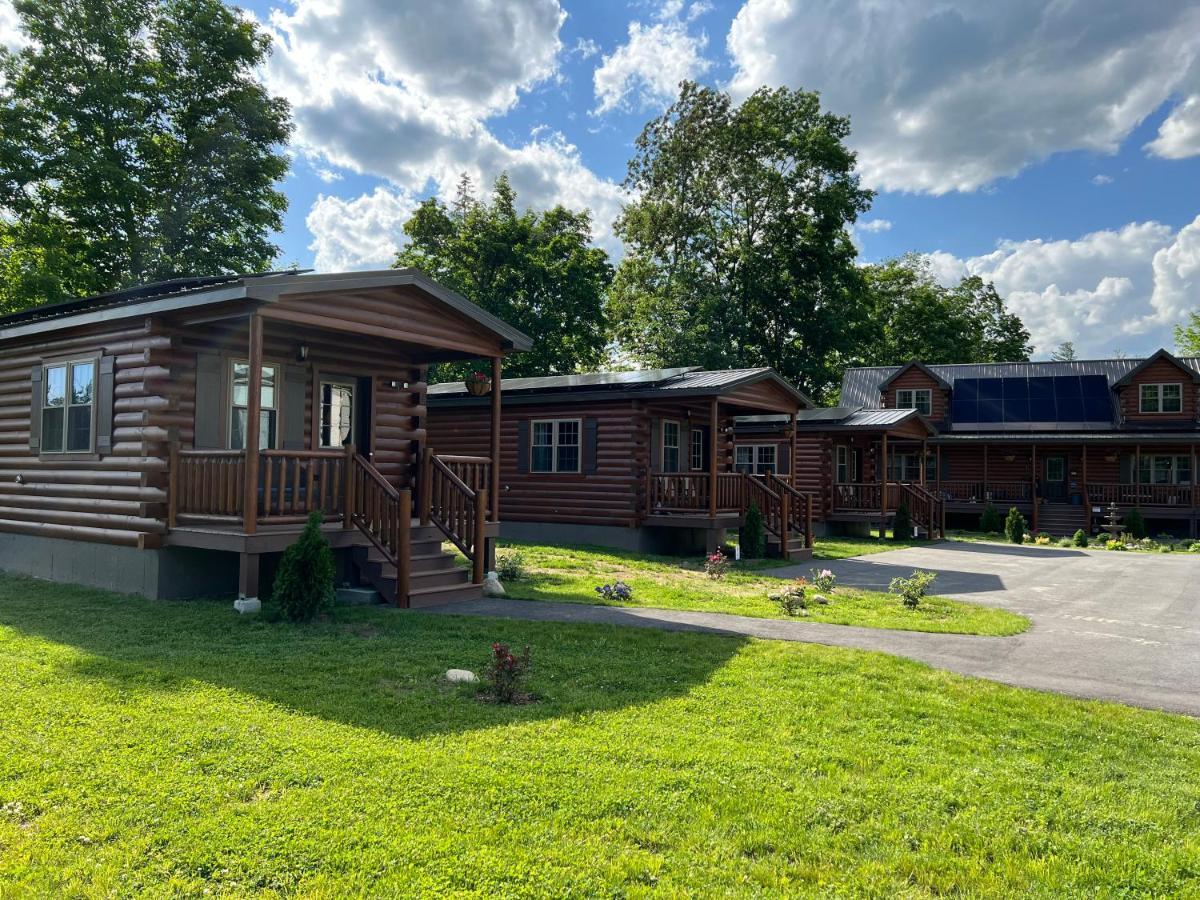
x: 478, y: 383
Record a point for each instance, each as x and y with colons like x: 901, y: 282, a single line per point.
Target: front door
x: 1054, y: 483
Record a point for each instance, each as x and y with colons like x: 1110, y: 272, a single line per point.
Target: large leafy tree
x: 737, y: 244
x: 536, y: 271
x: 915, y: 317
x: 136, y: 144
x: 1187, y: 336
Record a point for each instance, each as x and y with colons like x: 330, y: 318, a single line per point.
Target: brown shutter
x: 783, y: 458
x: 104, y: 404
x: 295, y: 381
x: 35, y: 409
x: 523, y: 446
x: 209, y: 382
x: 589, y: 446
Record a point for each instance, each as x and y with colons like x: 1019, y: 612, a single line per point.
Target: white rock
x: 460, y: 675
x: 247, y: 605
x: 821, y: 599
x: 492, y: 586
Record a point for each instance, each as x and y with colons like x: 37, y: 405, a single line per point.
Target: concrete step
x: 358, y: 596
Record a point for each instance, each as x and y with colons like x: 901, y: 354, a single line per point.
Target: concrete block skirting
x: 643, y: 539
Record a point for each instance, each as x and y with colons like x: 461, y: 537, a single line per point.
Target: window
x: 697, y: 450
x: 555, y: 446
x: 337, y: 413
x: 67, y: 404
x: 921, y: 400
x: 754, y: 459
x: 239, y: 396
x: 1165, y: 470
x: 906, y: 467
x: 1161, y: 398
x: 670, y: 446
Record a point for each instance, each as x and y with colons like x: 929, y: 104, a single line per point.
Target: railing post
x: 173, y: 485
x: 808, y: 521
x: 479, y: 553
x: 425, y: 498
x: 348, y: 480
x: 785, y: 514
x: 404, y: 548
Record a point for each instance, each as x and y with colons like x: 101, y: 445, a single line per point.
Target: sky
x: 1050, y: 147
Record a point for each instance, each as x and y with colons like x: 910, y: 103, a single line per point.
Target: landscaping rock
x: 821, y: 599
x: 492, y: 586
x: 460, y: 676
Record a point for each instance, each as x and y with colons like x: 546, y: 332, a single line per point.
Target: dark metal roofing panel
x: 589, y: 380
x: 835, y: 417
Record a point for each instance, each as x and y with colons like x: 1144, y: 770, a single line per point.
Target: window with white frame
x: 846, y: 465
x: 1165, y: 469
x: 907, y: 467
x: 755, y: 459
x: 920, y: 399
x: 670, y: 446
x: 696, y: 454
x: 555, y: 445
x: 337, y: 413
x: 239, y: 397
x: 68, y: 404
x: 1161, y: 398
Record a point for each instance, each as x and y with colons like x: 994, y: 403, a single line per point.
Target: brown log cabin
x: 1061, y: 441
x: 638, y: 460
x: 128, y: 464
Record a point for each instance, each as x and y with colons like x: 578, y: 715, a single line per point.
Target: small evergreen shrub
x: 990, y: 522
x: 304, y: 581
x: 902, y: 524
x: 510, y: 566
x: 793, y: 599
x: 1042, y: 540
x: 1135, y: 523
x: 716, y: 565
x: 753, y: 536
x: 504, y: 673
x: 1014, y: 526
x: 1081, y: 538
x: 912, y: 590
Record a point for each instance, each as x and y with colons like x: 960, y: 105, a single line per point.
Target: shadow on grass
x: 367, y: 667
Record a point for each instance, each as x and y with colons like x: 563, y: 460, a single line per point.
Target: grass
x: 172, y: 749
x: 843, y: 547
x: 572, y: 574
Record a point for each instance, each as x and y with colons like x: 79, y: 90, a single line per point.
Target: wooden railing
x: 855, y: 497
x: 1170, y: 495
x: 985, y: 491
x: 770, y: 504
x: 458, y: 510
x: 383, y: 514
x: 799, y: 507
x: 731, y: 491
x: 925, y: 509
x: 294, y: 483
x: 474, y: 472
x: 678, y: 492
x: 206, y: 484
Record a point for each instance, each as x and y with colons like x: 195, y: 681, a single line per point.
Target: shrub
x: 716, y: 564
x: 1065, y: 542
x: 1081, y: 538
x: 510, y: 566
x: 990, y: 522
x: 504, y: 673
x: 902, y: 524
x: 617, y: 591
x: 824, y: 581
x: 1114, y: 545
x: 1042, y: 540
x: 304, y: 580
x: 793, y: 599
x: 753, y: 536
x: 1014, y: 526
x: 912, y: 589
x: 1134, y: 523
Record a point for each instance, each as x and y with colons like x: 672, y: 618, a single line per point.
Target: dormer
x: 1161, y: 390
x: 916, y: 386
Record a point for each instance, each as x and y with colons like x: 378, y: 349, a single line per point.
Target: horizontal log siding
x: 1160, y: 372
x: 915, y: 378
x: 812, y: 464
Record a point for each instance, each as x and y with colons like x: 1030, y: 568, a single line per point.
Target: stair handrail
x: 800, y: 507
x: 456, y: 509
x: 384, y: 514
x: 772, y: 510
x: 926, y: 507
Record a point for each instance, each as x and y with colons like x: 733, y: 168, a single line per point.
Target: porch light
x: 302, y: 353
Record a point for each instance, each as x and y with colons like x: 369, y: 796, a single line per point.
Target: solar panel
x: 1019, y: 401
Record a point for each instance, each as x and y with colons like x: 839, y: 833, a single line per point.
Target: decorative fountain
x: 1113, y: 524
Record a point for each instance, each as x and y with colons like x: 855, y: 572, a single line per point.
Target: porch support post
x: 792, y: 461
x: 1033, y: 487
x: 883, y: 488
x: 1137, y: 474
x: 924, y: 456
x: 1087, y: 501
x: 1192, y: 492
x: 496, y: 367
x: 247, y: 601
x: 985, y: 474
x: 938, y: 473
x: 253, y: 414
x: 713, y: 422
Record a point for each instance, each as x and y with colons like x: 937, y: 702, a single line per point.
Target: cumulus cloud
x: 953, y: 95
x: 10, y: 31
x: 874, y: 226
x: 1101, y: 180
x: 363, y: 233
x: 1179, y: 134
x: 645, y: 71
x: 1126, y: 286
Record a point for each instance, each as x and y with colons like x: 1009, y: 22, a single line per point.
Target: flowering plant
x: 911, y: 590
x: 824, y: 580
x: 716, y: 565
x: 504, y: 672
x: 793, y: 599
x: 617, y: 591
x: 479, y: 377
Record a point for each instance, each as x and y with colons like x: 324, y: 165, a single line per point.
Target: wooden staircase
x: 434, y: 577
x: 1061, y: 519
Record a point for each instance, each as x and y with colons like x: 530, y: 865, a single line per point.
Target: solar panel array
x: 1058, y: 399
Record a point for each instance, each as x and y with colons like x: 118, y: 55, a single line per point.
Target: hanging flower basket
x: 478, y: 383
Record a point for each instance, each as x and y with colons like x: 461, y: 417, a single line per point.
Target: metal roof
x: 839, y: 417
x: 590, y: 380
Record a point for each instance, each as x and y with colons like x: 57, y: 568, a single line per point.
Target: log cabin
x: 1063, y: 442
x: 636, y: 460
x: 170, y: 440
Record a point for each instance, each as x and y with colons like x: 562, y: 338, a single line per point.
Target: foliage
x: 1114, y: 545
x: 136, y: 144
x: 1065, y: 352
x: 912, y: 590
x: 1014, y: 526
x: 824, y: 580
x: 1043, y: 540
x: 991, y: 522
x: 902, y: 529
x: 1187, y: 336
x: 1080, y: 539
x: 793, y: 599
x: 510, y: 565
x: 477, y: 377
x: 304, y: 580
x: 753, y: 535
x: 716, y: 565
x: 536, y: 271
x: 616, y: 591
x: 1135, y: 523
x: 504, y: 673
x: 738, y: 230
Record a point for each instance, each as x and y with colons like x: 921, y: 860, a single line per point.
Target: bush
x: 510, y: 566
x: 824, y: 580
x: 1114, y: 545
x: 1042, y: 540
x: 1134, y: 523
x: 304, y: 580
x: 504, y: 673
x: 902, y: 524
x: 617, y: 591
x: 753, y: 536
x: 911, y: 590
x: 990, y: 522
x: 1081, y: 538
x: 1014, y: 526
x: 1065, y: 542
x: 716, y: 564
x: 793, y: 599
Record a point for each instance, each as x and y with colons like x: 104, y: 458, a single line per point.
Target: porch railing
x: 1169, y: 495
x: 797, y: 511
x: 384, y: 514
x: 985, y: 491
x: 855, y: 497
x: 458, y: 510
x: 474, y: 472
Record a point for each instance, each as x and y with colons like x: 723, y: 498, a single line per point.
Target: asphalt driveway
x: 1112, y: 626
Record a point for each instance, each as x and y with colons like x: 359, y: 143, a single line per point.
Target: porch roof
x: 838, y: 418
x: 1064, y: 437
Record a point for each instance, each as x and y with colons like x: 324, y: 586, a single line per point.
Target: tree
x: 1187, y: 336
x: 1014, y: 526
x: 535, y: 271
x: 1065, y: 352
x: 136, y: 144
x: 737, y: 244
x: 915, y: 317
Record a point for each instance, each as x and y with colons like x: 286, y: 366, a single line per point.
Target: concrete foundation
x: 667, y: 541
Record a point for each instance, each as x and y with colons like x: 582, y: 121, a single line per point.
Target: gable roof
x: 836, y: 418
x: 919, y: 366
x: 1151, y: 360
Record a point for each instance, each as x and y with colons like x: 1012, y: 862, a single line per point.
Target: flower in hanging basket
x: 478, y: 383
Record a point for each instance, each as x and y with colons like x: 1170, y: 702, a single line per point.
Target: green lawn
x: 172, y: 749
x: 843, y: 547
x: 572, y: 574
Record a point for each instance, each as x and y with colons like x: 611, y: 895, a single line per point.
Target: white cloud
x: 953, y: 95
x: 10, y: 30
x: 585, y: 48
x: 1179, y: 134
x: 645, y: 71
x: 874, y: 226
x: 1127, y: 286
x: 1100, y: 180
x: 358, y: 234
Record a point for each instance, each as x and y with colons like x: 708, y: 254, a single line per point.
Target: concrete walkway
x: 1112, y: 626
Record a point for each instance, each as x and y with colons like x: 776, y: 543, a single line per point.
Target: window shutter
x: 35, y: 409
x: 295, y: 380
x: 209, y: 381
x: 1128, y: 476
x: 104, y: 404
x: 590, y: 430
x: 655, y: 445
x: 523, y: 446
x: 783, y: 458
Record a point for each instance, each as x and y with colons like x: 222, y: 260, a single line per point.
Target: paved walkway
x: 1113, y: 626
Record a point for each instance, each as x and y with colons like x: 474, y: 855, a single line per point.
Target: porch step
x: 358, y: 596
x: 797, y: 551
x: 434, y: 577
x: 1061, y: 519
x: 437, y: 596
